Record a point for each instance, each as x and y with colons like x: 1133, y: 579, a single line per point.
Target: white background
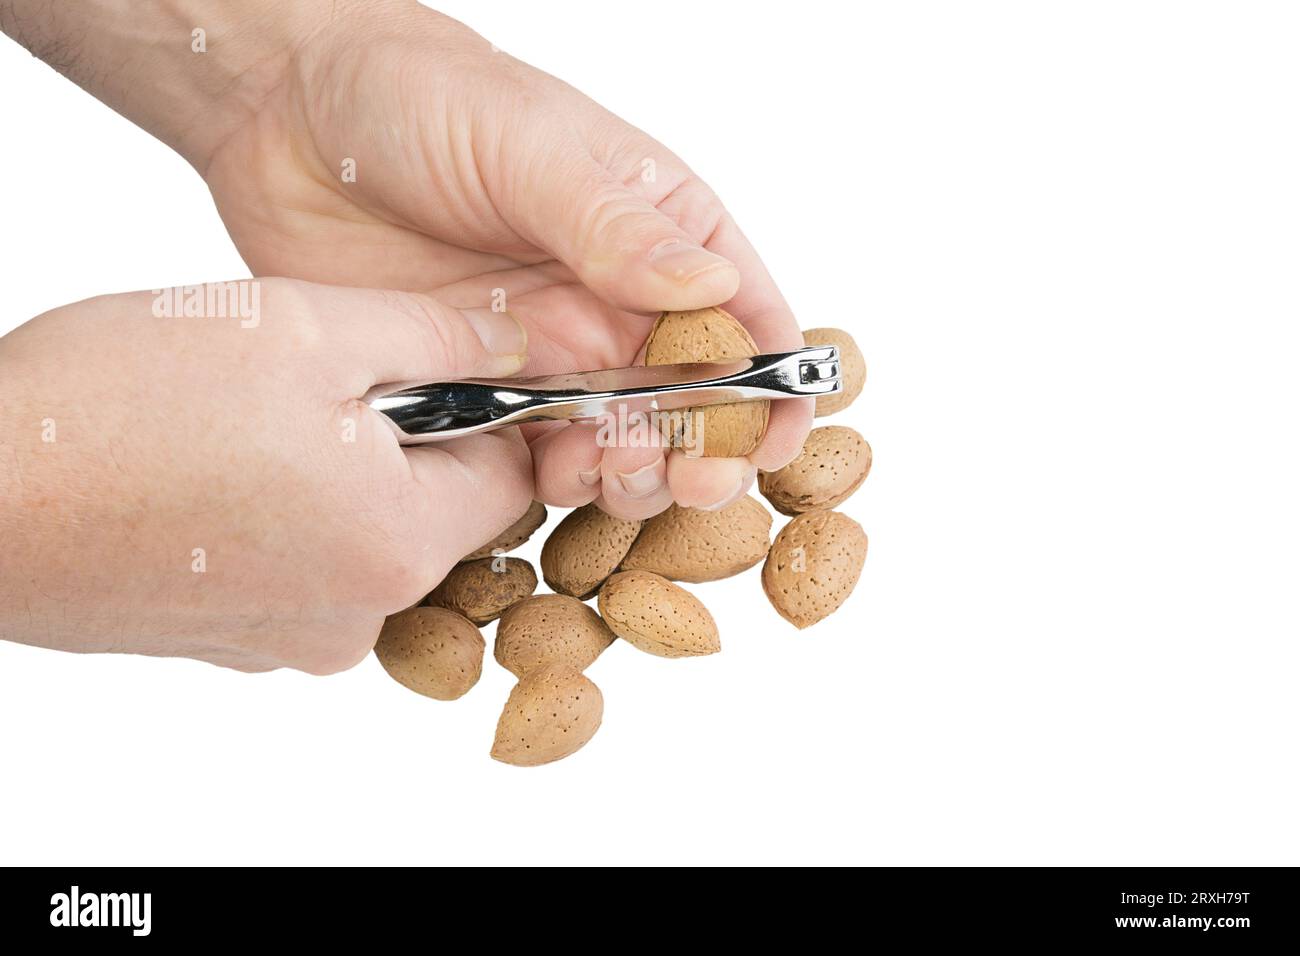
x: 1067, y: 236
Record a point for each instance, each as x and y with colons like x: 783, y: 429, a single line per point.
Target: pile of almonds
x: 549, y: 640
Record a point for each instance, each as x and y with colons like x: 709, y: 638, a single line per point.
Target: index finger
x: 760, y: 308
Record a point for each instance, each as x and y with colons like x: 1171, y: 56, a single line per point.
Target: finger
x: 757, y: 303
x: 634, y: 473
x: 384, y: 336
x: 566, y: 465
x: 709, y: 484
x: 621, y: 246
x: 473, y: 489
x: 760, y: 307
x: 788, y: 424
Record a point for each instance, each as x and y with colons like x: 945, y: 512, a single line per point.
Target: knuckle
x: 698, y: 211
x: 618, y: 220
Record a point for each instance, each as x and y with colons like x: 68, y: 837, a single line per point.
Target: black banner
x: 1221, y: 908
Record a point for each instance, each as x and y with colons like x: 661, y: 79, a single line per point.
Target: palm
x: 568, y: 327
x: 288, y: 216
x: 476, y: 173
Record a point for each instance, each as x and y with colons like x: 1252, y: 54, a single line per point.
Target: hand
x: 476, y: 172
x: 213, y: 488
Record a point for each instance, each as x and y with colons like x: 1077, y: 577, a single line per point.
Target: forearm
x: 144, y: 59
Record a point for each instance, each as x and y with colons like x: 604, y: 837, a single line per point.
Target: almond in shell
x: 551, y: 713
x: 656, y: 616
x: 832, y: 465
x: 853, y: 369
x: 432, y: 651
x: 550, y: 628
x: 481, y: 590
x: 814, y: 564
x: 687, y: 544
x: 584, y: 549
x: 708, y: 335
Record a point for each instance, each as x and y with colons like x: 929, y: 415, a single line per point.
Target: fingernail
x: 682, y: 262
x: 739, y: 492
x: 499, y: 332
x: 589, y: 478
x: 644, y: 482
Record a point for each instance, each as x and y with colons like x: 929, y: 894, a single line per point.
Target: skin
x: 314, y: 524
x: 474, y: 173
x: 512, y: 180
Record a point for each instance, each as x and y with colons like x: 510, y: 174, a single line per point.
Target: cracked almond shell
x: 548, y: 629
x: 584, y: 549
x: 481, y: 590
x: 551, y: 713
x: 831, y: 466
x: 432, y: 651
x: 853, y: 369
x: 814, y: 564
x: 513, y: 536
x: 708, y: 335
x: 687, y: 544
x: 656, y: 616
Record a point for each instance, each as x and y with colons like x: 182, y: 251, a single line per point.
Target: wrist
x: 190, y: 72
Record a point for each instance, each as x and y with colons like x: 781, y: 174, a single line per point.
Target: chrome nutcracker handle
x: 437, y: 411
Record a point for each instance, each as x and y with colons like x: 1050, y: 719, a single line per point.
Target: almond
x: 549, y: 628
x: 687, y: 544
x: 513, y: 536
x: 834, y: 461
x: 708, y: 335
x: 480, y: 590
x: 584, y: 549
x: 551, y: 713
x: 813, y: 566
x: 433, y: 651
x: 656, y: 616
x: 853, y: 369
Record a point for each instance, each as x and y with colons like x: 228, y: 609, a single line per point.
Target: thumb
x: 619, y: 245
x: 410, y: 336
